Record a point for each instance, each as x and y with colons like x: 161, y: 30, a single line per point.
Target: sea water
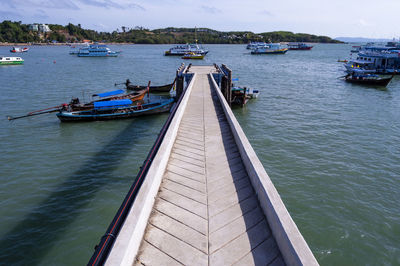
x: 332, y: 150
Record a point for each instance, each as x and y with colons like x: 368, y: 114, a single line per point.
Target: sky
x: 333, y: 18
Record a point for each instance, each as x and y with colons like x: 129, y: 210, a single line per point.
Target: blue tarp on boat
x: 108, y: 104
x: 110, y: 93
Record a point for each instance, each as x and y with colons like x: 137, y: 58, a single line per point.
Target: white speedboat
x: 6, y: 60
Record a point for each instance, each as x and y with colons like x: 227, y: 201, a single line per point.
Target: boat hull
x: 97, y: 55
x: 301, y: 48
x: 163, y: 88
x: 369, y: 81
x: 168, y: 53
x: 11, y: 60
x: 12, y: 63
x: 193, y: 57
x: 114, y: 114
x: 280, y: 51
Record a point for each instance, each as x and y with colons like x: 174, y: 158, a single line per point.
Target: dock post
x: 228, y: 84
x: 180, y: 80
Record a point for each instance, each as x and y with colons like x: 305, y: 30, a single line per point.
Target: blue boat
x: 118, y: 109
x: 270, y: 48
x: 376, y: 59
x: 96, y: 50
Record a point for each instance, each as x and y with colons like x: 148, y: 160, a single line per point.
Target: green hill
x: 16, y: 32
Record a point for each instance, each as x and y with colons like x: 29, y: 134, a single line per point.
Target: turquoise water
x: 332, y: 150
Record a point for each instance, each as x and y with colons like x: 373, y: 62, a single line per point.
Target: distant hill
x: 361, y: 39
x: 16, y: 32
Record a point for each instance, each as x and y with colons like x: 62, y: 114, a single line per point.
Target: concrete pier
x: 207, y: 199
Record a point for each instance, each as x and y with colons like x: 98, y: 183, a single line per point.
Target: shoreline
x: 125, y: 43
x: 55, y: 44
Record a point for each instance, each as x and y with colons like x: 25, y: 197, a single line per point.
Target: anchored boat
x: 186, y: 48
x: 11, y: 60
x: 193, y: 55
x: 75, y: 105
x: 162, y: 88
x: 270, y: 48
x: 299, y: 46
x: 19, y: 50
x: 97, y: 50
x: 368, y: 79
x: 118, y: 109
x: 378, y: 59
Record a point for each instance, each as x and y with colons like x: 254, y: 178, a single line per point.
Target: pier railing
x: 137, y: 199
x: 291, y: 243
x: 223, y: 77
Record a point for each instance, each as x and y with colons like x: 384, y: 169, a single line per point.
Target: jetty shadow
x: 264, y: 249
x: 29, y: 240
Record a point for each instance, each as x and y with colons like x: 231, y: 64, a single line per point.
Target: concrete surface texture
x: 206, y: 211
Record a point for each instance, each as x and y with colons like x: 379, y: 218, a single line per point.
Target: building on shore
x: 39, y: 27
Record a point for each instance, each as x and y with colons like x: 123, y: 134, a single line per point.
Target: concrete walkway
x: 206, y: 211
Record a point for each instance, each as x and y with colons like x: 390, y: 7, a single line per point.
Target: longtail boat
x: 162, y: 88
x: 368, y: 79
x: 76, y: 105
x: 117, y: 109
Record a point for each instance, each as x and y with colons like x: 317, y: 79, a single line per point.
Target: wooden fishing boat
x: 368, y: 79
x: 239, y: 96
x: 117, y: 109
x: 162, y: 88
x: 75, y: 105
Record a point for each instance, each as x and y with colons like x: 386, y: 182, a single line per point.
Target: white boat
x: 6, y: 60
x: 254, y: 45
x: 96, y: 50
x: 19, y: 50
x: 253, y: 94
x: 75, y: 48
x: 185, y: 49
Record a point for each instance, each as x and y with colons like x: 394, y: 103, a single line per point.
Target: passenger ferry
x: 185, y: 49
x: 11, y: 60
x: 96, y: 50
x: 375, y: 59
x: 270, y: 48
